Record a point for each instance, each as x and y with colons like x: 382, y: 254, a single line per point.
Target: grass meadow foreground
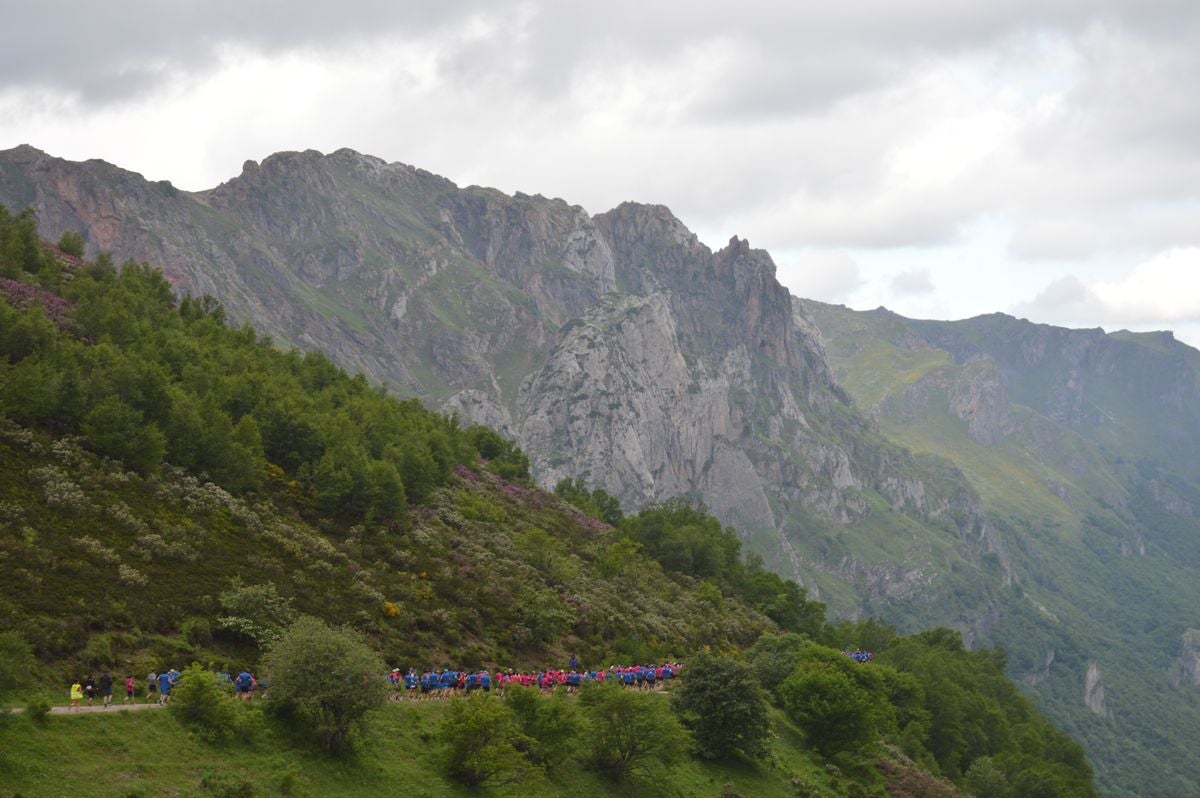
x: 123, y: 754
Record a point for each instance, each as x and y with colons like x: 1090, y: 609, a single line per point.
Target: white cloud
x: 1163, y: 290
x: 829, y: 276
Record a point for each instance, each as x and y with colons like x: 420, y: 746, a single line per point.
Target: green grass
x: 124, y: 754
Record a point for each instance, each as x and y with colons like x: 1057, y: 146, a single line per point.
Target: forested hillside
x: 176, y: 489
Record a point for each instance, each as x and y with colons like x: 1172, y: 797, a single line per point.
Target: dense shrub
x: 630, y: 732
x: 685, y: 539
x: 324, y: 681
x: 726, y: 711
x: 205, y: 703
x: 552, y: 726
x: 481, y: 744
x: 145, y: 378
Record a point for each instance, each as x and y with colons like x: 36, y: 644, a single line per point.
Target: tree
x: 205, y: 704
x: 71, y: 243
x: 630, y: 732
x: 686, y: 539
x: 719, y: 701
x: 781, y: 600
x: 545, y: 616
x: 834, y: 712
x: 985, y: 780
x: 551, y: 725
x: 599, y: 503
x: 255, y: 612
x: 480, y: 740
x: 773, y: 657
x: 116, y: 430
x: 324, y: 681
x: 502, y: 455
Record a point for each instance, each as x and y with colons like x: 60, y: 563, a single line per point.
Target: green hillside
x: 175, y: 490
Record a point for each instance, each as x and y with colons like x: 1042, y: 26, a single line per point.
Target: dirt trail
x: 115, y: 708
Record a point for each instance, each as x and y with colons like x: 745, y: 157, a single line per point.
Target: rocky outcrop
x: 1041, y: 674
x: 974, y: 394
x: 1101, y: 384
x: 1093, y: 690
x: 1186, y: 671
x: 618, y: 404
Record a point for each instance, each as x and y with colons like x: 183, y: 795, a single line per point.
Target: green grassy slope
x: 110, y: 568
x: 148, y: 754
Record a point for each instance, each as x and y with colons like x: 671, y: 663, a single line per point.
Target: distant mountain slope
x: 1083, y: 447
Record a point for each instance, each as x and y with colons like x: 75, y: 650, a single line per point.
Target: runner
x: 130, y: 684
x: 106, y: 685
x: 244, y: 684
x: 76, y: 695
x: 164, y: 687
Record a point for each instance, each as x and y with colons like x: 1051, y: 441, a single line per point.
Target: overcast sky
x: 939, y: 157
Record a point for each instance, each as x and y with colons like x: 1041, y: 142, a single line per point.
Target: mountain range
x: 1034, y: 487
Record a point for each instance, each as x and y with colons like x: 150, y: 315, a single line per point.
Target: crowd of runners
x: 444, y: 683
x: 158, y: 688
x: 412, y: 684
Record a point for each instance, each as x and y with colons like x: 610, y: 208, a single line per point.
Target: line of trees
x: 684, y: 539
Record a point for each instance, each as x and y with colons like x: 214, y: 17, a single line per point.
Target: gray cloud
x: 912, y: 283
x: 884, y: 126
x: 1060, y: 239
x: 110, y: 51
x: 800, y: 54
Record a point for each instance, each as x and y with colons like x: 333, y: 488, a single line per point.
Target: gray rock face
x: 1187, y: 667
x: 618, y: 348
x: 1093, y: 690
x: 618, y: 404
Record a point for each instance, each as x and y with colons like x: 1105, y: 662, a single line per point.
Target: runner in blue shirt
x: 244, y: 683
x: 164, y: 687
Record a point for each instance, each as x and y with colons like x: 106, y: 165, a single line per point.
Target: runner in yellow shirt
x: 76, y: 694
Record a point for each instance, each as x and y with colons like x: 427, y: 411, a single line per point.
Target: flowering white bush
x: 130, y: 575
x: 97, y: 550
x: 59, y: 491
